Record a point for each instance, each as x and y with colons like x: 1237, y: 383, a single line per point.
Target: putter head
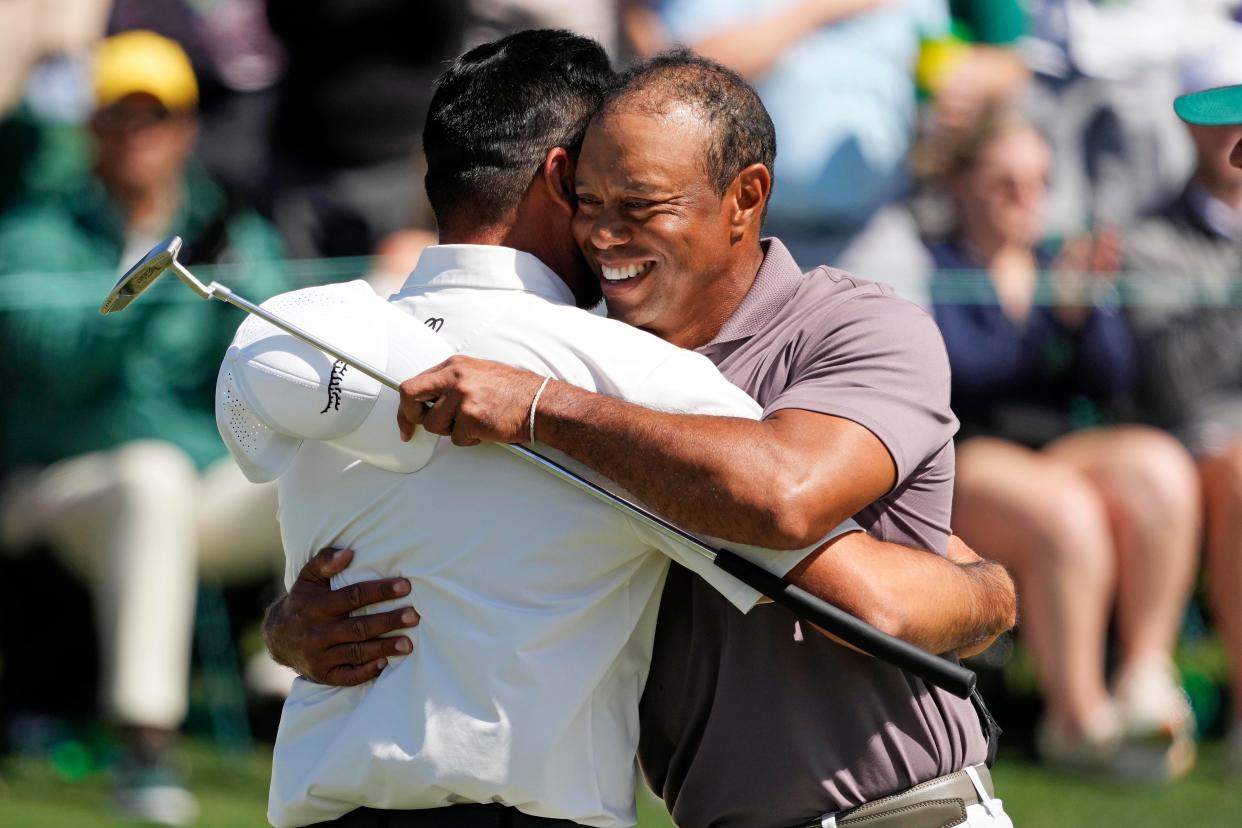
x: 141, y: 276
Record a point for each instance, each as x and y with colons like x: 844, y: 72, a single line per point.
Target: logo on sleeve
x: 334, y: 387
x: 435, y: 323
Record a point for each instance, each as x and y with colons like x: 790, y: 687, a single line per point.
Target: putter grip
x: 945, y: 674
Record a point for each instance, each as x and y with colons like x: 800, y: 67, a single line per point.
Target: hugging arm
x: 960, y: 603
x: 782, y: 483
x: 313, y: 630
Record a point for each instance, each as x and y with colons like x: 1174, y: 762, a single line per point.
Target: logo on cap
x: 334, y: 387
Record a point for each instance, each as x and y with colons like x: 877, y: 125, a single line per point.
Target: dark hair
x: 741, y: 129
x: 498, y: 110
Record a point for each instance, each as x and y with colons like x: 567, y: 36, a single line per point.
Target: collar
x: 775, y: 284
x: 1215, y: 215
x: 489, y: 267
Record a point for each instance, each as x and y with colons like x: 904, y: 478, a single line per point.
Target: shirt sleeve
x: 881, y: 363
x: 741, y: 595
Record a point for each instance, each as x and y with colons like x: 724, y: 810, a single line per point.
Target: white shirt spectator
x: 538, y: 602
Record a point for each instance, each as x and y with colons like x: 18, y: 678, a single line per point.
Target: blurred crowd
x: 1014, y: 167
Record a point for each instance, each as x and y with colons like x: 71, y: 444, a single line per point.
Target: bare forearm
x: 782, y: 482
x: 722, y: 476
x: 272, y: 639
x: 917, y: 596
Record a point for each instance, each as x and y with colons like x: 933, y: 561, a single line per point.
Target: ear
x: 746, y: 198
x: 557, y: 174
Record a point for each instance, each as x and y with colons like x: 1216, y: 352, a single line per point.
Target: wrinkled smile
x: 624, y: 272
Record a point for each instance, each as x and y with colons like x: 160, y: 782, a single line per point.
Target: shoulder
x: 43, y: 213
x: 254, y: 237
x: 868, y: 337
x: 837, y: 308
x: 630, y: 363
x: 591, y: 335
x: 1162, y: 242
x: 612, y: 344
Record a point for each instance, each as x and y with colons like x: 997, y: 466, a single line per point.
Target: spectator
x: 1186, y: 260
x: 838, y: 78
x: 237, y: 62
x: 110, y: 447
x: 1103, y: 73
x: 350, y: 116
x: 1090, y: 521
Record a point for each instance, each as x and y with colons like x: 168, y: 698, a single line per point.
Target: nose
x: 609, y: 231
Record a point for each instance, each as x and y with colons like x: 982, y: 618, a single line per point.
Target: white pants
x: 138, y: 523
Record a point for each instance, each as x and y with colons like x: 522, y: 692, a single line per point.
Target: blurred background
x: 1014, y: 166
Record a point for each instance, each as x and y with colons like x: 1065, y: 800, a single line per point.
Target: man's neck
x: 513, y: 236
x: 721, y: 301
x: 988, y: 247
x: 491, y: 236
x: 147, y: 209
x: 1227, y: 193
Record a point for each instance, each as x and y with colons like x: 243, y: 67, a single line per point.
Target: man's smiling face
x: 649, y: 221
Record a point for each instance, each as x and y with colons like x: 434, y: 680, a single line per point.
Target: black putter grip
x: 945, y: 674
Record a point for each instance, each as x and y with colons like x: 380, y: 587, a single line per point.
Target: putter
x: 942, y: 672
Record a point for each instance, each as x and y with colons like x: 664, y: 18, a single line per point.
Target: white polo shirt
x: 538, y: 602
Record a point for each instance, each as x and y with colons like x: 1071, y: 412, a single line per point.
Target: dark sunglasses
x: 127, y: 116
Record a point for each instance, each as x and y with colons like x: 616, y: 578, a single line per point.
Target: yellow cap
x: 937, y: 61
x: 142, y: 61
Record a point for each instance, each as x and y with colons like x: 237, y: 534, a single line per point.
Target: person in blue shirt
x: 1090, y: 521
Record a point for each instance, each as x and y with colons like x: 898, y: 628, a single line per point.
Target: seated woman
x: 1089, y: 520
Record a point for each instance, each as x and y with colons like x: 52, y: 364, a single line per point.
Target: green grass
x: 1038, y: 798
x: 233, y: 793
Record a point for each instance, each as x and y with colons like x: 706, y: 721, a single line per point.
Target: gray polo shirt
x: 750, y: 720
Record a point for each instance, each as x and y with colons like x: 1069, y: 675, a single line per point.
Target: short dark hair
x: 499, y: 109
x: 741, y: 129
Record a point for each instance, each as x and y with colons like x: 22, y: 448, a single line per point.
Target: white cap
x: 1216, y: 64
x: 274, y: 391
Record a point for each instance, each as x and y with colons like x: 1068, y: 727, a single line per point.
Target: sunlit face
x: 649, y: 221
x: 139, y: 144
x: 1005, y: 191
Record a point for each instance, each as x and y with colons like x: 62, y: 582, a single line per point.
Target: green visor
x: 1212, y: 107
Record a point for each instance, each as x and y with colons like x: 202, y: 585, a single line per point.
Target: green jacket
x: 79, y: 381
